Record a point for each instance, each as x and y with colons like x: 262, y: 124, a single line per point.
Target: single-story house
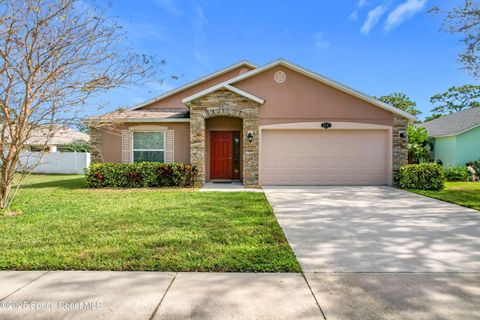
x: 456, y: 137
x: 54, y: 141
x: 278, y: 124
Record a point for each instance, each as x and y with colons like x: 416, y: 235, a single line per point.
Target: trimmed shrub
x: 424, y: 176
x: 140, y: 175
x: 457, y: 173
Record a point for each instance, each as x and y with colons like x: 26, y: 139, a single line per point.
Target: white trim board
x: 195, y: 82
x: 323, y: 79
x: 222, y: 86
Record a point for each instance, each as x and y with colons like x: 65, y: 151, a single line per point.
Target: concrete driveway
x: 380, y: 252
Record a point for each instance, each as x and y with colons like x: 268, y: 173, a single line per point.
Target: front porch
x: 225, y: 117
x: 234, y: 186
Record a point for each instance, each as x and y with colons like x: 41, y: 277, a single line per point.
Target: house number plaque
x: 326, y: 125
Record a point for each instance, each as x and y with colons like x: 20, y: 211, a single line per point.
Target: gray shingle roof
x: 142, y: 115
x: 454, y: 123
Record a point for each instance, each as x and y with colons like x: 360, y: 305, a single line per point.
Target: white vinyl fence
x: 55, y: 162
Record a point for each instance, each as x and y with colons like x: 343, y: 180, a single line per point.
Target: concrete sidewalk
x: 160, y: 295
x: 155, y: 295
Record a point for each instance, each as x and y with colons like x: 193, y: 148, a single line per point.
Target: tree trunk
x: 4, y: 192
x: 7, y: 172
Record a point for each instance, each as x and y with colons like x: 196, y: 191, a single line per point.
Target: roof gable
x: 453, y: 124
x: 322, y: 79
x: 197, y: 82
x: 226, y: 87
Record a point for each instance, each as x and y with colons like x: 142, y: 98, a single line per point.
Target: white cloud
x: 170, y: 6
x: 159, y: 86
x: 362, y: 3
x: 353, y: 16
x: 200, y: 51
x: 373, y: 17
x: 320, y: 42
x: 147, y: 30
x: 403, y: 12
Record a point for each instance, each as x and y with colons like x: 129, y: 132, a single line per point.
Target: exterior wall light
x: 250, y: 136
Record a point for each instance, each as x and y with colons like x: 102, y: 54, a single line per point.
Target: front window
x: 148, y: 146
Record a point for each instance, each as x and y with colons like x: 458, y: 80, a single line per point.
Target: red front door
x: 221, y: 155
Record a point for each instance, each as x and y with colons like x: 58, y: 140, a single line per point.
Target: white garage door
x: 324, y: 157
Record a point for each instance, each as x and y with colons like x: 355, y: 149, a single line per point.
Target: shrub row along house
x: 278, y: 124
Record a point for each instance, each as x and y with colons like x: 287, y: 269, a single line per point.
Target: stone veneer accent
x: 400, y: 153
x: 229, y: 104
x: 96, y: 145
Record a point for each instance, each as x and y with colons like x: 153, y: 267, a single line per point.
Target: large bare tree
x: 54, y: 55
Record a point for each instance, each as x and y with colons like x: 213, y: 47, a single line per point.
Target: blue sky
x: 375, y: 46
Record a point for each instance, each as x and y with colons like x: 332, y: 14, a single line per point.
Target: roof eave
x: 323, y: 79
x: 127, y: 120
x: 195, y: 82
x: 455, y: 134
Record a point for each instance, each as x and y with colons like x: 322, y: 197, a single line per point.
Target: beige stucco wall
x: 298, y: 99
x: 301, y: 98
x: 112, y: 140
x: 175, y: 101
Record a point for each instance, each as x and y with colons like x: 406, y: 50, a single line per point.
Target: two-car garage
x: 325, y: 157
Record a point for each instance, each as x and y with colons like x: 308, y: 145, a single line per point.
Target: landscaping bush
x: 457, y: 173
x: 476, y: 165
x: 75, y: 147
x: 140, y: 175
x: 475, y: 174
x: 424, y: 176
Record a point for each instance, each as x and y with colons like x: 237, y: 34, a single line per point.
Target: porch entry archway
x: 225, y: 104
x: 224, y: 128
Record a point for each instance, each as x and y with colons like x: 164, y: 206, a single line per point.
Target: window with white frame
x: 148, y: 146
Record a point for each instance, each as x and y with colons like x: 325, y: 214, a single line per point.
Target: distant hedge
x: 457, y: 173
x: 424, y: 176
x: 140, y: 175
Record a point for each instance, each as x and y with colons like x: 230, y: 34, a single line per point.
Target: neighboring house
x: 56, y: 158
x: 278, y: 124
x: 456, y: 137
x: 57, y: 141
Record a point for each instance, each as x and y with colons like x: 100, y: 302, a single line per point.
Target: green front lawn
x: 466, y: 194
x: 64, y: 226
